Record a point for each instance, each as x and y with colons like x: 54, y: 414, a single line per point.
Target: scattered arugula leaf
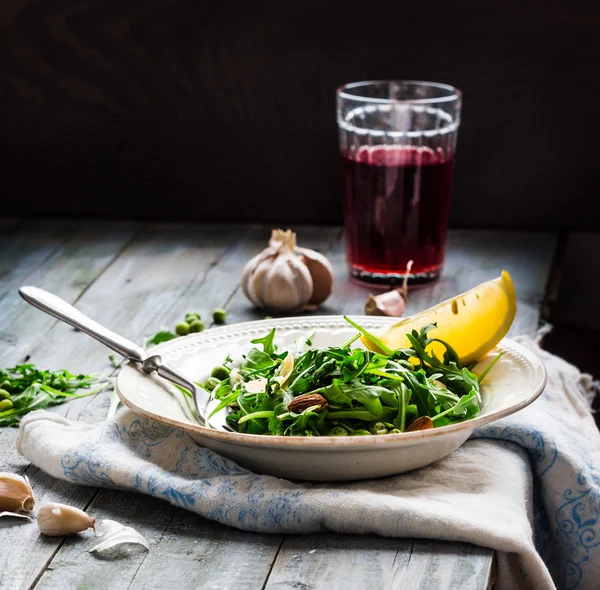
x: 33, y: 389
x: 163, y: 335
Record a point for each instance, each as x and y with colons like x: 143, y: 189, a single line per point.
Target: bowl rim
x: 330, y: 441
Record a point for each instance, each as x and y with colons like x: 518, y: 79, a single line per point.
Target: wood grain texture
x: 65, y: 258
x: 207, y: 556
x: 64, y: 263
x: 145, y: 282
x: 341, y: 562
x: 106, y: 104
x: 436, y: 565
x: 185, y: 550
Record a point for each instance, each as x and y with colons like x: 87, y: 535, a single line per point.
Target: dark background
x: 226, y: 110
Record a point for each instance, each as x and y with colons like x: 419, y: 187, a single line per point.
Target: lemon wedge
x: 472, y: 323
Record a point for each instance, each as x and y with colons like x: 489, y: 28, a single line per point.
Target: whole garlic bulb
x: 285, y: 278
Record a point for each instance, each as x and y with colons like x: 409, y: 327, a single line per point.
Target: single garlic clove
x: 118, y: 541
x: 258, y: 281
x: 56, y: 520
x: 15, y: 493
x: 392, y: 303
x: 321, y: 271
x: 247, y: 276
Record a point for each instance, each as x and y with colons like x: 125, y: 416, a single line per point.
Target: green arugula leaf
x: 164, y: 335
x: 267, y: 342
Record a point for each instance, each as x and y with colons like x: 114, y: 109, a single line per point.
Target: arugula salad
x: 345, y: 390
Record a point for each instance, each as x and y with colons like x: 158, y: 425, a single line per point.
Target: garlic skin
x: 321, y: 271
x: 277, y: 279
x: 17, y: 515
x: 16, y: 494
x: 118, y: 540
x: 57, y: 520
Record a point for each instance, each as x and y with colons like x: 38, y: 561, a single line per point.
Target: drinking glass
x: 397, y: 144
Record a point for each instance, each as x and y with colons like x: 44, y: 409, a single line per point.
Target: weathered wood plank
x: 63, y: 258
x: 340, y: 562
x: 207, y: 555
x: 145, y: 282
x: 74, y: 567
x: 185, y: 550
x: 64, y: 263
x: 437, y: 565
x: 331, y: 561
x: 26, y: 245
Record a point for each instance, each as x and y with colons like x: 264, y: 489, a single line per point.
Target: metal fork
x: 148, y: 363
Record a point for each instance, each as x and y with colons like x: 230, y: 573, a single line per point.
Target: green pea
x: 361, y: 432
x: 211, y: 383
x: 182, y: 328
x: 220, y: 373
x: 5, y: 404
x: 337, y: 431
x: 7, y: 386
x: 196, y: 326
x: 395, y: 431
x: 4, y: 394
x: 190, y: 317
x: 219, y: 316
x: 377, y: 428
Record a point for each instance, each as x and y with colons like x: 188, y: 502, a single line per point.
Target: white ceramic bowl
x: 513, y: 383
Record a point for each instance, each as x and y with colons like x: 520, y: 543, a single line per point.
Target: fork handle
x: 61, y: 310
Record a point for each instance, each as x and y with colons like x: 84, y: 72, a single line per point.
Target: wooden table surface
x: 136, y: 278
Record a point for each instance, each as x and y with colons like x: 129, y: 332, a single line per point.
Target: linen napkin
x: 526, y: 486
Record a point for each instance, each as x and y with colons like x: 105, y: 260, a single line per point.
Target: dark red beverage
x: 396, y: 205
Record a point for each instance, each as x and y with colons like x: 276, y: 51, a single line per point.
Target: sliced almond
x: 307, y: 400
x: 422, y: 423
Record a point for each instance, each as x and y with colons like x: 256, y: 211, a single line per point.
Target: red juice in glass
x: 397, y: 162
